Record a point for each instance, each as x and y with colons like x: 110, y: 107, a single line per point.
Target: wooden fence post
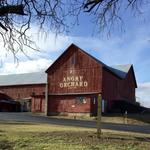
x: 99, y: 100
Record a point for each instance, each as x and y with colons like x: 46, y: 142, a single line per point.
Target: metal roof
x: 120, y: 70
x: 23, y: 79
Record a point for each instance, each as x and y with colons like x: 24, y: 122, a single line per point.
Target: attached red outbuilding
x: 25, y: 88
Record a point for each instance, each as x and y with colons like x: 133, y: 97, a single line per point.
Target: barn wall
x: 73, y: 104
x: 118, y: 89
x: 75, y: 72
x: 127, y: 88
x: 110, y: 87
x: 23, y: 91
x: 68, y: 104
x: 27, y: 96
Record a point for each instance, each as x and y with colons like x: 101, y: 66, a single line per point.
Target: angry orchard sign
x: 73, y: 82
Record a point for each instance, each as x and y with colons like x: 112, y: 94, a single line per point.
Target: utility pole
x: 99, y: 100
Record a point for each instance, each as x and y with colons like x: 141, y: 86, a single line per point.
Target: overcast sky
x: 129, y: 47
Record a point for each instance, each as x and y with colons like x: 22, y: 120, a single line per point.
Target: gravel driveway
x: 28, y: 117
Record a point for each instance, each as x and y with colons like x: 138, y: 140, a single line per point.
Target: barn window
x: 80, y: 100
x: 18, y: 95
x: 33, y: 93
x: 73, y: 59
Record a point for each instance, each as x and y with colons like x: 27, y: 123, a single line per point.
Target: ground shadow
x: 6, y: 145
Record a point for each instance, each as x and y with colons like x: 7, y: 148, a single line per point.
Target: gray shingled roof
x: 120, y: 70
x: 22, y: 79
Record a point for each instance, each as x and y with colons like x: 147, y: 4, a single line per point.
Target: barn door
x: 38, y: 105
x: 94, y: 106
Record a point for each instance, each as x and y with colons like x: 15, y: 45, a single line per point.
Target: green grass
x: 131, y: 118
x: 27, y: 136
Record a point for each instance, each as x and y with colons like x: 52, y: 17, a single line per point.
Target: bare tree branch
x: 18, y: 16
x: 14, y: 9
x: 91, y: 4
x: 3, y: 27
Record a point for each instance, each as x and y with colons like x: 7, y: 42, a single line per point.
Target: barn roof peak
x: 72, y: 45
x: 118, y: 70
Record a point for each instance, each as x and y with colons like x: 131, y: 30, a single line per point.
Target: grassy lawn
x: 27, y: 136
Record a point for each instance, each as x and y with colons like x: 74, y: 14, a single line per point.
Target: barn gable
x: 74, y: 72
x: 67, y: 54
x: 118, y: 70
x: 77, y: 60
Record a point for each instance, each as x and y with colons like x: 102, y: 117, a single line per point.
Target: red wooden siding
x: 110, y: 86
x: 115, y: 88
x: 31, y: 97
x: 72, y: 104
x: 68, y: 104
x: 92, y: 77
x: 85, y: 71
x: 128, y: 87
x: 23, y: 91
x: 75, y: 74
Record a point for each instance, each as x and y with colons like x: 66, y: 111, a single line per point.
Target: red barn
x: 25, y: 88
x: 71, y: 85
x: 76, y: 78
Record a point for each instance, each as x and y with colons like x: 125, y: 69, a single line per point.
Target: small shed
x: 7, y: 104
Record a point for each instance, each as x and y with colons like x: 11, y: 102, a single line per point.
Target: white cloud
x: 143, y: 94
x: 25, y: 66
x: 48, y: 41
x: 115, y: 50
x: 36, y: 60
